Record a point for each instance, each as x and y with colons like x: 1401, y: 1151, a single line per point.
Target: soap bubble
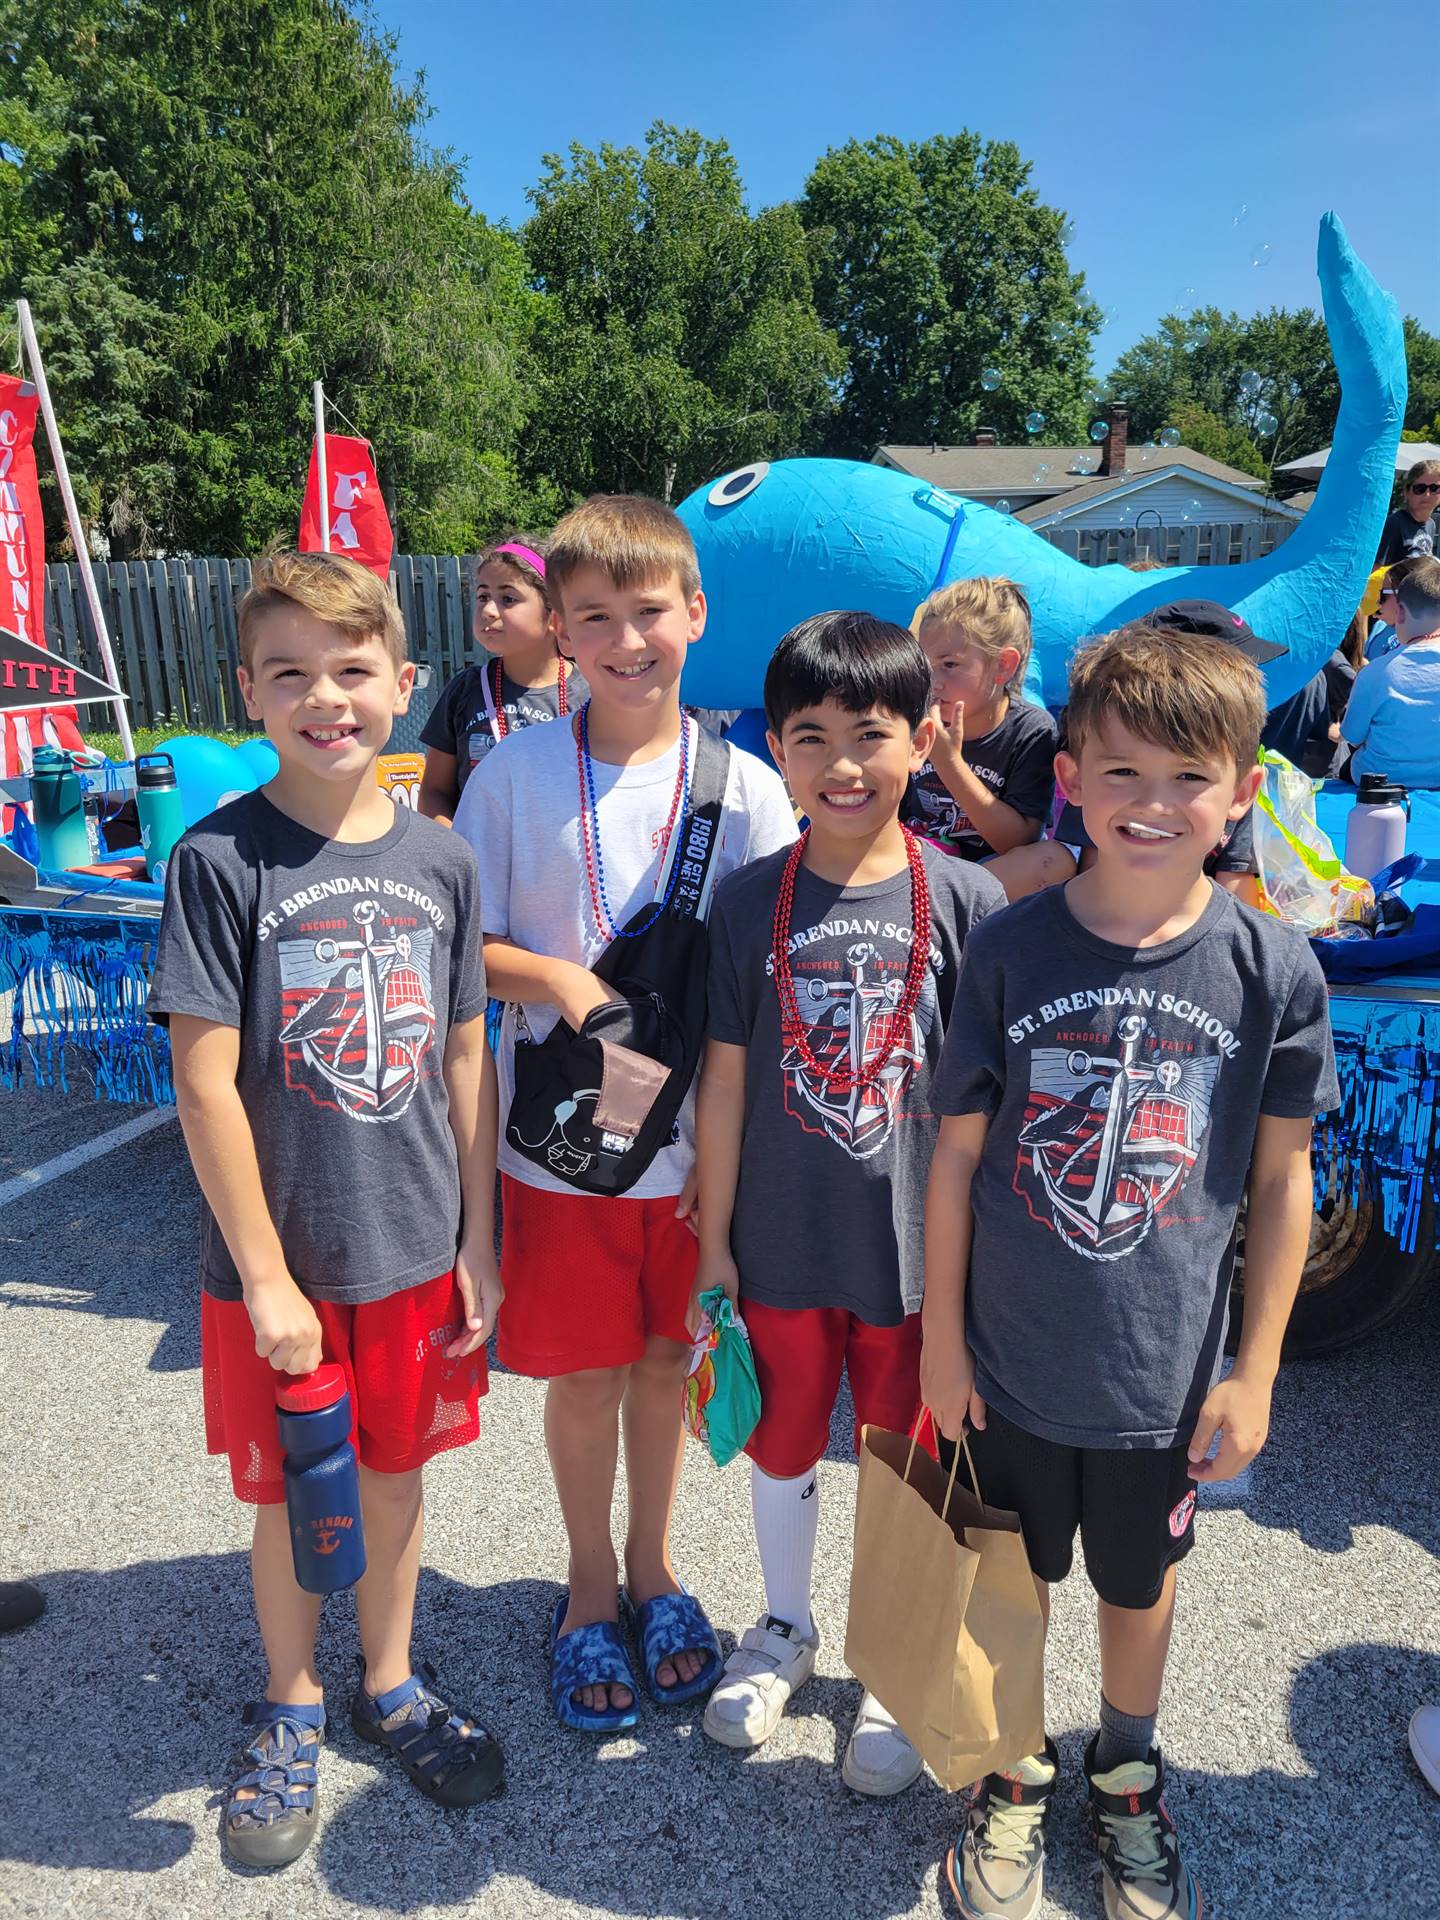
x: 1199, y: 333
x: 1265, y: 423
x: 1169, y: 436
x: 1059, y: 333
x: 1084, y: 464
x: 1237, y: 218
x: 1184, y: 300
x: 1193, y: 510
x: 989, y: 378
x: 1067, y: 234
x: 1099, y: 430
x: 1108, y: 317
x: 1041, y: 473
x: 1035, y: 422
x: 1002, y: 506
x: 1250, y: 385
x: 1262, y: 255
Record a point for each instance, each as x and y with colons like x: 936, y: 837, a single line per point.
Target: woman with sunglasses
x: 1413, y: 530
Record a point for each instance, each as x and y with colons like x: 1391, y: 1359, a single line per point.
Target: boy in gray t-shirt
x: 832, y: 973
x: 1126, y: 1053
x: 319, y: 967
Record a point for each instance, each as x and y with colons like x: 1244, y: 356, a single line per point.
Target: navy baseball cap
x: 1214, y: 622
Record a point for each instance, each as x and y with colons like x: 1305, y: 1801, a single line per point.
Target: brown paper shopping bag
x: 945, y: 1627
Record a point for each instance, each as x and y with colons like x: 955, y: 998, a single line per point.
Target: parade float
x: 777, y: 542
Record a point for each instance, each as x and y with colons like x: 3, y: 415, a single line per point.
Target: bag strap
x: 924, y: 1415
x: 696, y: 840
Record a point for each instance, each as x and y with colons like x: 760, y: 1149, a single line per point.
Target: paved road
x: 1309, y: 1626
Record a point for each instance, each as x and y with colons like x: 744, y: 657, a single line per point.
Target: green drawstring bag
x: 722, y: 1395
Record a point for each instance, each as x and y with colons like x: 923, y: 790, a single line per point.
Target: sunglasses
x: 1426, y: 486
x: 1385, y: 593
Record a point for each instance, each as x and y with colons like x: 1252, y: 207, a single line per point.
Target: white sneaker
x: 772, y: 1662
x: 878, y: 1757
x: 1425, y: 1742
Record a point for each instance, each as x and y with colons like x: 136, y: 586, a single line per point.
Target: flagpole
x: 72, y: 516
x: 321, y: 476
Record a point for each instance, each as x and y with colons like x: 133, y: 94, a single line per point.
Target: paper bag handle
x: 924, y: 1415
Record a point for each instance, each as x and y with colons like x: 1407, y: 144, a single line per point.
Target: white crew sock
x: 787, y: 1513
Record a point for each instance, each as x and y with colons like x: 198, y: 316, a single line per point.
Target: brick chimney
x: 983, y: 437
x: 1112, y: 451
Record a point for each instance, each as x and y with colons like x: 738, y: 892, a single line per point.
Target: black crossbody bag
x: 592, y: 1109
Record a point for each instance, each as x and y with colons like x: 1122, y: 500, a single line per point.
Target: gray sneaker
x: 997, y: 1867
x: 1145, y: 1878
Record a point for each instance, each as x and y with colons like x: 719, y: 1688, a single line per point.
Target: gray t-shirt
x: 1015, y: 759
x: 460, y: 722
x: 830, y: 1204
x: 1123, y: 1091
x: 521, y: 813
x: 344, y: 967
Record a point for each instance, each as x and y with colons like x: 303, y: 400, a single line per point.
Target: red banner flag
x: 359, y: 524
x: 22, y: 576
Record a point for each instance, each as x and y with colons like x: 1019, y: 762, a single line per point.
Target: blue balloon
x: 207, y: 773
x: 780, y: 542
x: 747, y: 731
x: 260, y: 756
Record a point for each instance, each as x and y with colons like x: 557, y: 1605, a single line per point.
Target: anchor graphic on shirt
x: 1113, y: 1136
x: 367, y: 1030
x: 849, y: 1023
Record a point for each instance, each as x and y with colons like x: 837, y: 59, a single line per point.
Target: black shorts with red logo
x: 1134, y: 1507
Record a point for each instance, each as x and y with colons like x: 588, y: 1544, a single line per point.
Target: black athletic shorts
x: 1134, y: 1507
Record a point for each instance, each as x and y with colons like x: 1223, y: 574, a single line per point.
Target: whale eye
x: 736, y: 485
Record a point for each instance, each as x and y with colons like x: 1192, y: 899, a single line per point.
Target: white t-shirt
x: 520, y: 811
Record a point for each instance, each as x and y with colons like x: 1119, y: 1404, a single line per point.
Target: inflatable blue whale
x: 780, y: 542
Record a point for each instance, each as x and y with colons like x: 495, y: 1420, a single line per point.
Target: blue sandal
x: 448, y: 1755
x: 674, y: 1623
x: 591, y: 1656
x: 275, y: 1821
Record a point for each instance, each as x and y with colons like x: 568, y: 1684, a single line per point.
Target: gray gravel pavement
x: 1309, y: 1627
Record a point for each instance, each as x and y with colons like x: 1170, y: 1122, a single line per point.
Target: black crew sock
x: 1123, y: 1737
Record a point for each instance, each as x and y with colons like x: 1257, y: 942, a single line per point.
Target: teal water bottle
x: 162, y: 813
x: 58, y: 803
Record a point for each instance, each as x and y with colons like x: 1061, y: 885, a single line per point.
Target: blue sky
x: 1153, y: 127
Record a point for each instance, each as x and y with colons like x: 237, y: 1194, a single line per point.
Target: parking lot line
x: 63, y: 1163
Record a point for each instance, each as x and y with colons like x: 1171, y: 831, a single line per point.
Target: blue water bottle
x: 322, y: 1480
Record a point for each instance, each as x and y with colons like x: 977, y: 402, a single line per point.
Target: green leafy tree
x: 677, y: 335
x: 244, y: 188
x: 1265, y: 386
x: 933, y: 262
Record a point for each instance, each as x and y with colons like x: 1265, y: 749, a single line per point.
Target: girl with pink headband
x: 521, y: 683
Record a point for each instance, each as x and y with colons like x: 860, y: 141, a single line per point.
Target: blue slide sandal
x: 674, y: 1623
x: 590, y: 1656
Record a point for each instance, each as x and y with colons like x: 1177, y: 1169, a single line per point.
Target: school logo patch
x: 1180, y: 1518
x: 850, y: 1019
x: 357, y: 1011
x: 1110, y: 1136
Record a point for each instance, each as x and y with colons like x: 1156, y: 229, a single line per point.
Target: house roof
x: 992, y: 472
x: 1085, y: 493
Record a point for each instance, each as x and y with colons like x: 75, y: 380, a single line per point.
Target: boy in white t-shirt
x: 571, y: 826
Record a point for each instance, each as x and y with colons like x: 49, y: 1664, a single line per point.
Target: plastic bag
x: 1302, y: 879
x: 722, y: 1395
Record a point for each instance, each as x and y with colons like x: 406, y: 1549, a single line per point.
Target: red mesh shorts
x: 407, y: 1401
x: 799, y: 1353
x: 588, y: 1280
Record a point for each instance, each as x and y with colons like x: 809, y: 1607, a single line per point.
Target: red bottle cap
x: 309, y: 1392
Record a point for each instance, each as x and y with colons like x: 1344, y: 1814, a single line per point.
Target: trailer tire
x: 1356, y: 1278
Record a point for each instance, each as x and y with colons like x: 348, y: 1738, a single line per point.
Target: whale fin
x: 1304, y: 595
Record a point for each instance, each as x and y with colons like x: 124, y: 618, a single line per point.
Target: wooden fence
x: 172, y: 622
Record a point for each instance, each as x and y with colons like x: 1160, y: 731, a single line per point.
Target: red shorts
x: 799, y: 1353
x: 407, y: 1401
x: 589, y: 1280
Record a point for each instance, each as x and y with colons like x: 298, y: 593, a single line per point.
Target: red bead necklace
x: 502, y: 720
x: 792, y: 1028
